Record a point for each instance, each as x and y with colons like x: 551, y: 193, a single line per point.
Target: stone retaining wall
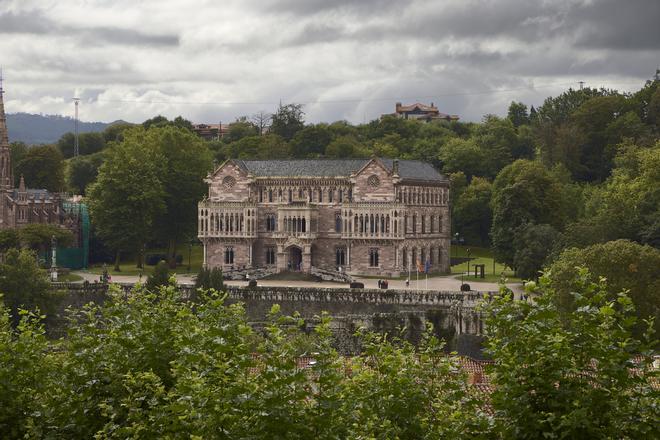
x: 454, y: 315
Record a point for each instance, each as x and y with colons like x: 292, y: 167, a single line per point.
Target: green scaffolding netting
x: 76, y: 257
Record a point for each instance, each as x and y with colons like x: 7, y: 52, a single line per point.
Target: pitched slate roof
x: 408, y: 169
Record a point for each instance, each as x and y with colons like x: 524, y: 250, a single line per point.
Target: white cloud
x: 131, y: 60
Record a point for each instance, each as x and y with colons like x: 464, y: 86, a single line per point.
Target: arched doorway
x: 295, y: 258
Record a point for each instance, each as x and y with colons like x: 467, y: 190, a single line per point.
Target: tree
x: 464, y: 156
x: 115, y: 131
x: 497, y: 138
x: 472, y: 215
x: 9, y: 238
x: 626, y: 266
x: 241, y: 129
x: 261, y: 120
x: 568, y: 375
x: 160, y: 277
x: 343, y: 147
x: 82, y: 171
x: 532, y: 245
x: 43, y: 167
x: 523, y: 192
x: 23, y: 283
x: 517, y: 114
x: 88, y: 143
x: 18, y: 152
x: 128, y: 195
x: 39, y: 236
x: 311, y: 141
x: 273, y: 146
x: 210, y: 279
x: 287, y: 121
x: 185, y: 161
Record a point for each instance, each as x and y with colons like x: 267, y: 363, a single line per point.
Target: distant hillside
x: 45, y: 129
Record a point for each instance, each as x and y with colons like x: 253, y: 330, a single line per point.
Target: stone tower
x: 6, y: 179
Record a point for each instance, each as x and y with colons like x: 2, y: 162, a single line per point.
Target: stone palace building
x: 360, y: 216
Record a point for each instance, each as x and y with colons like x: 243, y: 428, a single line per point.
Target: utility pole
x: 76, y: 147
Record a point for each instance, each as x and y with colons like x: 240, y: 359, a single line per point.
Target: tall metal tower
x: 76, y: 147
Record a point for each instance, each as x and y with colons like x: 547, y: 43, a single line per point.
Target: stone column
x: 307, y: 258
x: 281, y: 258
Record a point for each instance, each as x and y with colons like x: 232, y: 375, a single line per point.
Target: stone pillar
x: 281, y: 258
x: 307, y: 258
x: 204, y: 263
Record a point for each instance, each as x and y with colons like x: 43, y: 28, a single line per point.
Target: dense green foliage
x: 625, y: 265
x: 210, y: 279
x: 127, y: 195
x: 160, y: 276
x: 152, y: 364
x: 42, y: 167
x: 23, y: 283
x: 568, y: 375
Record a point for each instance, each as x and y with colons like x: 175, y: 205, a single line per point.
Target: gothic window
x: 320, y: 195
x: 290, y: 195
x: 330, y: 194
x: 229, y: 255
x: 405, y: 258
x: 340, y: 256
x: 270, y: 195
x: 261, y: 195
x: 414, y: 224
x: 337, y: 222
x: 350, y: 195
x: 423, y: 224
x: 373, y: 257
x: 423, y: 256
x: 341, y: 195
x: 431, y: 252
x: 271, y: 223
x: 270, y: 255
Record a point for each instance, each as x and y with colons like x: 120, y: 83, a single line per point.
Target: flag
x: 420, y: 266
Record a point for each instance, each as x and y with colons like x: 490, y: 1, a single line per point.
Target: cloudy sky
x: 212, y: 60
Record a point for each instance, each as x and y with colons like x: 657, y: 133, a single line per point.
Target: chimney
x: 395, y: 167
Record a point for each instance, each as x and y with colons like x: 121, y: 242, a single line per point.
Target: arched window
x: 337, y: 222
x: 229, y: 255
x: 340, y: 256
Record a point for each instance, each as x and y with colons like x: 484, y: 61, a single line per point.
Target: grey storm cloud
x: 35, y: 22
x: 343, y: 59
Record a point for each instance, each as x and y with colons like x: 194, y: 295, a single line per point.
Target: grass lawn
x: 128, y: 266
x: 480, y: 256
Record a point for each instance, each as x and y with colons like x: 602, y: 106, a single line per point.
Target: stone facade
x: 361, y: 216
x: 21, y: 206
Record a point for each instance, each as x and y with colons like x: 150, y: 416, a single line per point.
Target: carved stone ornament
x: 228, y: 182
x: 373, y: 181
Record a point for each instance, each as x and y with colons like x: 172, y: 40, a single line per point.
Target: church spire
x: 4, y: 136
x: 6, y: 180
